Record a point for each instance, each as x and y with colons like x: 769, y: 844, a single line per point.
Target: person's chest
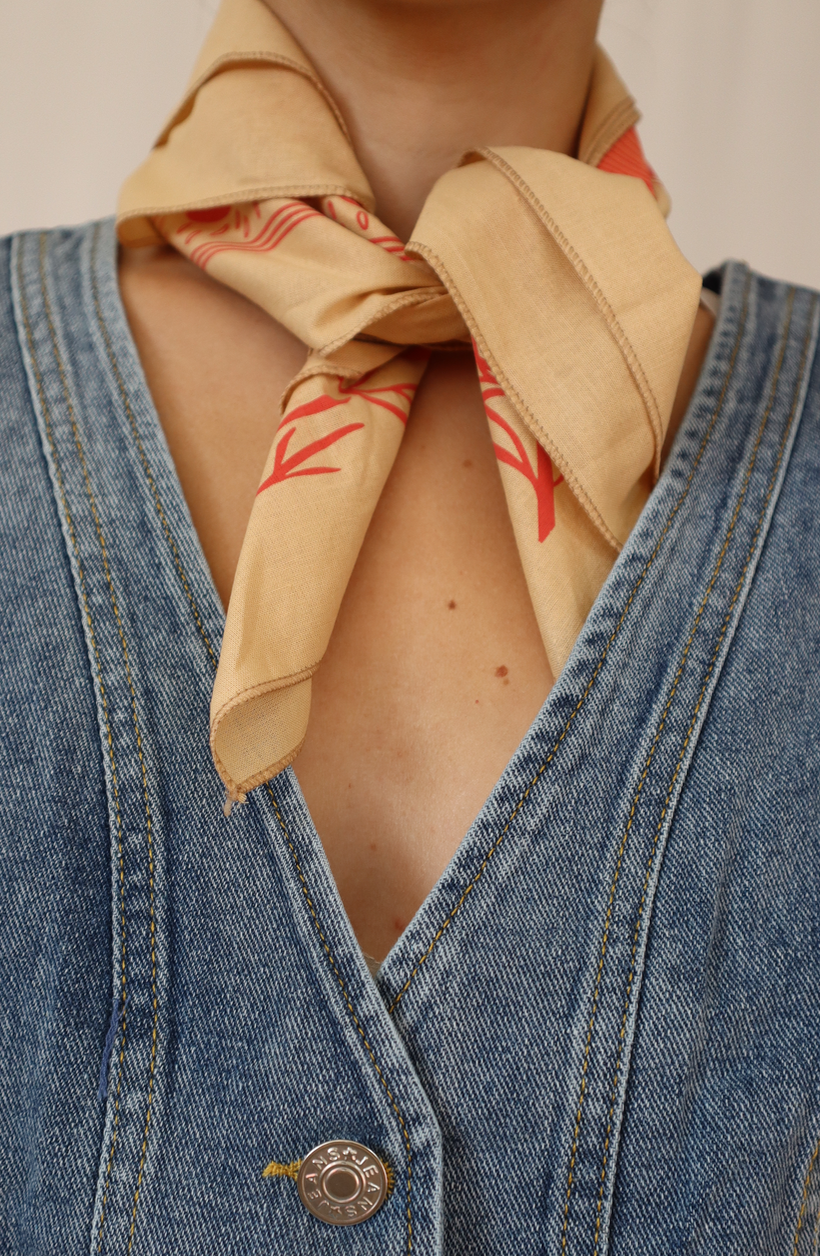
x: 435, y: 668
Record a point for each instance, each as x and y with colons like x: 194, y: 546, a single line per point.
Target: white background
x: 730, y: 91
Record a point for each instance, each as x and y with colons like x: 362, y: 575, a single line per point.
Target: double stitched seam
x: 698, y: 705
x: 212, y: 655
x: 631, y: 359
x: 628, y: 829
x: 598, y: 667
x: 46, y: 412
x: 127, y: 664
x: 804, y: 1201
x: 146, y: 466
x: 335, y: 970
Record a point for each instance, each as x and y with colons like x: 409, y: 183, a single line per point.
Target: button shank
x: 342, y: 1183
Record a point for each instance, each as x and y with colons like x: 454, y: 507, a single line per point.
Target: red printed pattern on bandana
x: 274, y: 230
x: 540, y: 476
x: 335, y: 207
x: 626, y: 157
x: 285, y: 468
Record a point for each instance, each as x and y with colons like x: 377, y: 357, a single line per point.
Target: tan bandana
x: 565, y: 277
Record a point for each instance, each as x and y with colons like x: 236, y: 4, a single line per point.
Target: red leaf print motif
x: 285, y: 468
x: 540, y: 476
x: 402, y: 392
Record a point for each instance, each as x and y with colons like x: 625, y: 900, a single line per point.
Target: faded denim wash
x: 601, y: 1031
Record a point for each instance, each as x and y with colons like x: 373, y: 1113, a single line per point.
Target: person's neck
x: 420, y: 81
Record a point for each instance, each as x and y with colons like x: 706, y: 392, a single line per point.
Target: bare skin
x: 420, y: 81
x: 435, y: 668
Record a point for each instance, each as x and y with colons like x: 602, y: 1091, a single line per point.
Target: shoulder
x: 766, y: 331
x: 42, y: 276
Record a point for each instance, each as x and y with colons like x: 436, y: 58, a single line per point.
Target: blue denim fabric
x: 600, y: 1033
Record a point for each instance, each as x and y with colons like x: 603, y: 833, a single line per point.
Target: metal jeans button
x: 342, y: 1183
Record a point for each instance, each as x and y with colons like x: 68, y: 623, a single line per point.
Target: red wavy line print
x: 391, y: 244
x: 270, y: 235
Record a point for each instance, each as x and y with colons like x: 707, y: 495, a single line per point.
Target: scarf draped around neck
x: 560, y: 273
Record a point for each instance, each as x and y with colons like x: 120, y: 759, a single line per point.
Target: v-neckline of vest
x: 510, y: 793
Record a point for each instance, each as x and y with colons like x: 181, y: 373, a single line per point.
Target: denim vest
x: 601, y: 1031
